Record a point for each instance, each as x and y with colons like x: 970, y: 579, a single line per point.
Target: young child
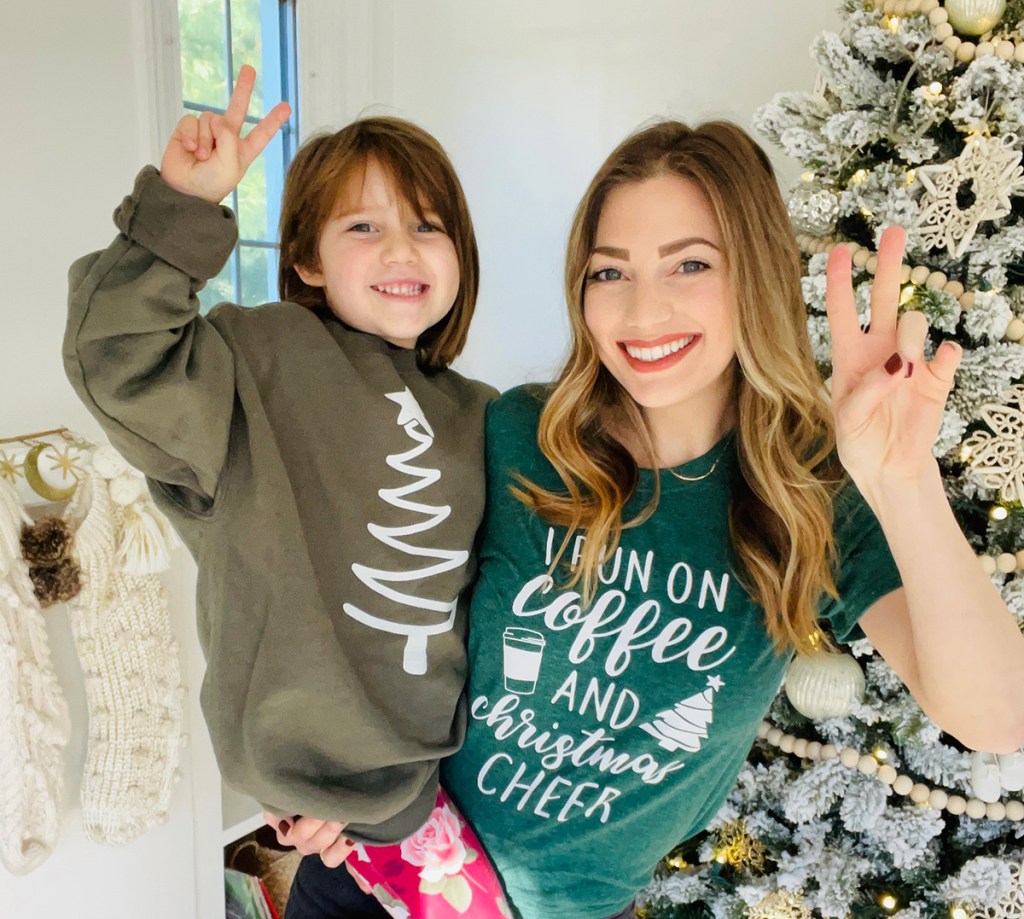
x: 320, y: 460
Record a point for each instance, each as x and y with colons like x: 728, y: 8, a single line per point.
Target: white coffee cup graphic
x: 524, y: 649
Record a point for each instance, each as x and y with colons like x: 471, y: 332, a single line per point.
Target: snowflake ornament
x: 991, y: 168
x: 997, y: 460
x: 780, y: 904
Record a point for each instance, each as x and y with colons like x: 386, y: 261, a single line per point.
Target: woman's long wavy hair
x: 780, y: 515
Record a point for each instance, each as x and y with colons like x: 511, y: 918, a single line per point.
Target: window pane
x: 246, y: 46
x: 220, y: 288
x: 252, y: 203
x: 203, y: 51
x: 259, y: 284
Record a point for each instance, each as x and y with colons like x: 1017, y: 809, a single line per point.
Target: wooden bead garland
x: 944, y: 34
x: 903, y: 785
x: 918, y: 275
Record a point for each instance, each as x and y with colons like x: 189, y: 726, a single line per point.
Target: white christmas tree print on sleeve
x: 414, y: 660
x: 685, y: 727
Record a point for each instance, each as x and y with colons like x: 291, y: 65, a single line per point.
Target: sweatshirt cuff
x: 193, y: 235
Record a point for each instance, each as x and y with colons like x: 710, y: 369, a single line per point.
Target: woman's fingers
x: 885, y: 289
x: 944, y: 365
x: 337, y: 852
x: 839, y: 303
x: 910, y: 337
x: 361, y: 882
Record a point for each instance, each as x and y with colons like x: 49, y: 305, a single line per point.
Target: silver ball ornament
x: 813, y: 209
x: 824, y: 685
x: 974, y: 17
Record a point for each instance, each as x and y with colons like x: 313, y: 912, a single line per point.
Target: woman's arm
x: 947, y: 633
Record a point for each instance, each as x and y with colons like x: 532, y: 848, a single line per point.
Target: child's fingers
x: 187, y: 132
x: 254, y: 143
x: 205, y: 136
x: 238, y: 105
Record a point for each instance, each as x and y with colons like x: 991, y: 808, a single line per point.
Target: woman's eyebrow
x: 679, y: 244
x: 612, y: 252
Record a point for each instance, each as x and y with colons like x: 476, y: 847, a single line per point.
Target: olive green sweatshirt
x: 330, y: 492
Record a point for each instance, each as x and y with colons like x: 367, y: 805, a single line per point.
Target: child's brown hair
x: 422, y: 174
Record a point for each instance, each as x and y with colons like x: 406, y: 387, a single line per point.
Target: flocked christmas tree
x: 861, y: 806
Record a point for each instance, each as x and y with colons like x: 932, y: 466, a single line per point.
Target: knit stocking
x: 129, y: 657
x: 34, y: 724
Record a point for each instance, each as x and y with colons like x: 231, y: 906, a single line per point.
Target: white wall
x: 78, y: 122
x: 528, y: 97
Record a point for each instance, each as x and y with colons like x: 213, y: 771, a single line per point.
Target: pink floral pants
x: 440, y: 872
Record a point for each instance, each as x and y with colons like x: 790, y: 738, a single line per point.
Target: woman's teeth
x: 659, y: 351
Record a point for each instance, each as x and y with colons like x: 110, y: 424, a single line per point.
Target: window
x: 217, y: 38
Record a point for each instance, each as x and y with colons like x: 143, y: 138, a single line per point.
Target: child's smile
x: 385, y: 270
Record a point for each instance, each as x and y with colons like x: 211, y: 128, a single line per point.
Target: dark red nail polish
x: 348, y: 842
x: 284, y: 826
x: 893, y: 364
x: 910, y: 368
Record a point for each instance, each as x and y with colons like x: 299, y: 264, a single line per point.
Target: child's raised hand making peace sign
x: 207, y: 156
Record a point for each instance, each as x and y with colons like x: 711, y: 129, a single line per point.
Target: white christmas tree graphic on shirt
x: 685, y: 727
x: 414, y: 659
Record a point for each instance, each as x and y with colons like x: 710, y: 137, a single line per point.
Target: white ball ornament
x: 956, y: 805
x: 975, y: 809
x: 919, y: 793
x: 938, y: 799
x: 1014, y: 810
x: 887, y: 774
x: 974, y: 17
x: 995, y: 810
x: 903, y: 785
x: 824, y: 685
x: 849, y: 757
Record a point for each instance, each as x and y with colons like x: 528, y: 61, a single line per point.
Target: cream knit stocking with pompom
x: 128, y: 654
x: 34, y: 725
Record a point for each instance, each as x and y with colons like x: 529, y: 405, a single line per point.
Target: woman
x: 671, y: 519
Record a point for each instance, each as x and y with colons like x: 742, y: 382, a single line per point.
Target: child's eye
x: 428, y: 228
x: 605, y: 274
x: 361, y: 228
x: 692, y: 266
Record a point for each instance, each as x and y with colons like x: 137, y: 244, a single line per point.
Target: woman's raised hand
x: 207, y: 156
x: 887, y: 400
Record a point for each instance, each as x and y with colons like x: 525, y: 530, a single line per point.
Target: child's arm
x: 159, y: 378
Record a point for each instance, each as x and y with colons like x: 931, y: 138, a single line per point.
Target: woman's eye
x: 692, y: 266
x: 605, y: 274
